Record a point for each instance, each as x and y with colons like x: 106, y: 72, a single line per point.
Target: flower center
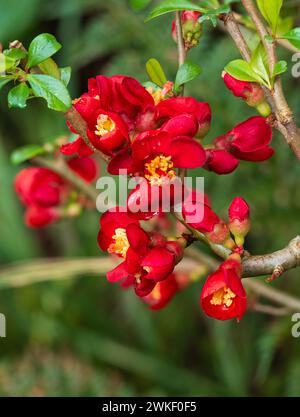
x: 121, y: 244
x: 223, y: 296
x: 159, y: 169
x: 104, y: 125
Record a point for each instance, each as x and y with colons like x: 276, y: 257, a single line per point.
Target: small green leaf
x: 259, y: 64
x: 155, y: 72
x: 65, y: 75
x: 187, y: 72
x: 4, y: 80
x: 52, y: 90
x: 172, y: 6
x: 241, y: 70
x: 18, y: 96
x: 15, y: 53
x: 280, y: 68
x: 50, y: 67
x: 270, y: 9
x: 41, y: 48
x: 26, y: 152
x: 139, y: 4
x: 293, y: 36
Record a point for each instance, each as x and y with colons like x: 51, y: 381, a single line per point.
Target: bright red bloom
x: 40, y: 216
x: 186, y: 105
x: 42, y: 191
x: 248, y: 140
x: 147, y: 258
x: 220, y: 161
x: 223, y: 296
x: 191, y: 28
x: 112, y: 107
x: 252, y: 93
x: 162, y: 293
x: 154, y: 155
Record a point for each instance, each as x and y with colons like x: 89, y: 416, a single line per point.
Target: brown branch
x: 283, y: 112
x: 287, y: 258
x: 235, y: 32
x: 273, y: 311
x: 77, y: 122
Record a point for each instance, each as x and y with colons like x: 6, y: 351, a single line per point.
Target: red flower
x: 220, y: 161
x: 77, y: 147
x: 191, y: 28
x: 223, y: 296
x: 39, y: 216
x: 42, y: 191
x: 147, y: 258
x: 186, y: 105
x: 197, y: 212
x: 154, y: 155
x: 248, y: 140
x: 112, y: 107
x: 252, y: 93
x: 239, y: 219
x: 162, y: 293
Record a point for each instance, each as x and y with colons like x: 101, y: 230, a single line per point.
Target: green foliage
x: 18, y: 96
x: 156, y: 72
x: 168, y: 6
x: 270, y: 9
x: 293, y: 36
x: 26, y: 152
x: 139, y: 4
x: 187, y: 72
x: 52, y: 90
x: 42, y: 47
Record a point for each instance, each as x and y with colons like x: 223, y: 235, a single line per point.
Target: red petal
x: 187, y: 153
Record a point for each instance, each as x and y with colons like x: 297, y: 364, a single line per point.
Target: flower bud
x: 191, y: 28
x: 251, y: 92
x: 239, y: 219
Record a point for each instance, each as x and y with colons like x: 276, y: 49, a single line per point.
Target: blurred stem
x: 61, y: 168
x: 25, y: 273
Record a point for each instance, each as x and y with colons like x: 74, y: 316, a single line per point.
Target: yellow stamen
x: 223, y: 296
x: 156, y: 293
x: 104, y: 125
x: 121, y: 244
x: 159, y: 169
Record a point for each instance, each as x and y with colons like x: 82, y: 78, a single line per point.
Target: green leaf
x: 270, y: 9
x: 26, y: 152
x: 15, y: 53
x: 41, y: 48
x: 50, y: 67
x: 213, y: 14
x: 18, y: 96
x: 172, y: 6
x: 52, y: 90
x: 139, y: 4
x: 259, y: 64
x: 280, y: 68
x: 293, y: 36
x: 65, y: 75
x: 241, y: 70
x: 187, y: 72
x: 155, y: 72
x: 4, y: 80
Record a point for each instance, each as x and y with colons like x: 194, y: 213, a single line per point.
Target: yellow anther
x: 159, y: 169
x: 121, y: 244
x: 104, y: 125
x: 223, y: 296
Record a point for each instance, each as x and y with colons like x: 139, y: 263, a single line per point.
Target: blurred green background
x: 82, y: 336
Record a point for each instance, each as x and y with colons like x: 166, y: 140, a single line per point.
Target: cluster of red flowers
x: 151, y: 133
